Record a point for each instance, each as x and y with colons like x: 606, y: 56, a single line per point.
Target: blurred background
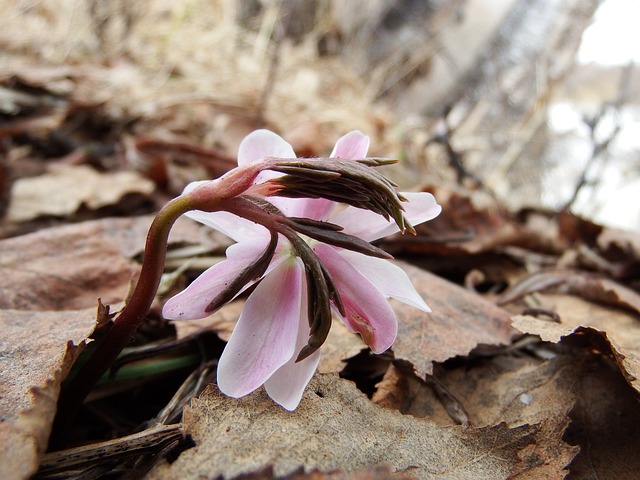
x: 525, y: 103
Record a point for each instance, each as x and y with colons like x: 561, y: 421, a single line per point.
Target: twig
x: 599, y: 148
x: 78, y: 458
x: 456, y: 159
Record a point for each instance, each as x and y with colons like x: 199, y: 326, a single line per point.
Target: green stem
x: 130, y: 318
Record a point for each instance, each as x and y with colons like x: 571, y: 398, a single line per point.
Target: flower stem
x: 131, y: 316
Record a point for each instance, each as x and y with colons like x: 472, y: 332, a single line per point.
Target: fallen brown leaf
x: 460, y: 321
x: 64, y: 268
x: 401, y: 389
x: 584, y: 284
x: 336, y: 426
x: 37, y: 350
x: 620, y: 243
x: 340, y: 346
x: 503, y: 389
x: 69, y: 267
x: 464, y: 227
x: 62, y: 190
x: 512, y: 389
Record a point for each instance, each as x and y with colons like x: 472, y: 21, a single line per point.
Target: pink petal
x: 287, y: 384
x: 263, y: 143
x: 370, y: 226
x: 367, y: 311
x: 192, y: 301
x: 390, y: 279
x: 265, y: 336
x: 353, y: 145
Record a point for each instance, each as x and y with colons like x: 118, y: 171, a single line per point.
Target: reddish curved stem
x: 130, y: 318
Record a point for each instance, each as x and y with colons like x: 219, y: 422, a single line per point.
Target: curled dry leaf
x: 336, y: 426
x: 60, y: 268
x: 621, y: 329
x: 401, y: 389
x: 62, y: 191
x: 460, y: 321
x: 340, y: 346
x: 37, y: 350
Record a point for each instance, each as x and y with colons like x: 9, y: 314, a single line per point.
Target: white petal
x: 265, y: 336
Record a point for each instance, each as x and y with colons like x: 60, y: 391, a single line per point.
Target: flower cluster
x: 305, y: 257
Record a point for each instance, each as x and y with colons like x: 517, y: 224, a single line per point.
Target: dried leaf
x: 62, y: 190
x: 69, y: 267
x: 587, y: 285
x: 606, y: 291
x: 63, y: 268
x: 503, y: 389
x: 621, y: 329
x: 401, y: 389
x: 460, y: 321
x: 340, y: 346
x: 336, y: 426
x: 37, y: 350
x: 37, y: 345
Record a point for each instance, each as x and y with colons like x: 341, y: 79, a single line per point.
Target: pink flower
x: 274, y: 326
